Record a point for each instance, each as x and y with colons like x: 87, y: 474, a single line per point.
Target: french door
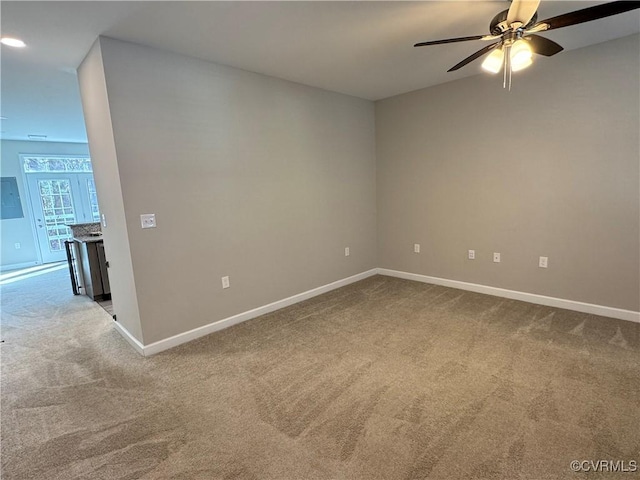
x: 57, y: 200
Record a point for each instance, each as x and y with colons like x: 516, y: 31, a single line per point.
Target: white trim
x: 31, y: 214
x: 133, y: 341
x: 612, y: 312
x: 179, y: 339
x: 185, y: 337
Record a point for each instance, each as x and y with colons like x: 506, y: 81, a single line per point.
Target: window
x: 56, y: 164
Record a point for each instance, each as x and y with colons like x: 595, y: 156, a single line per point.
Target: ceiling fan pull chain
x: 504, y: 68
x: 507, y: 66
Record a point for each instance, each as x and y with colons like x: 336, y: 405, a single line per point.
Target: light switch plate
x: 104, y: 220
x: 148, y: 220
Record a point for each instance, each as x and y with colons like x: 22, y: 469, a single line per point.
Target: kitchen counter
x: 88, y: 238
x: 86, y: 232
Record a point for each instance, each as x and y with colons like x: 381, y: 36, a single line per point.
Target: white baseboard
x: 190, y: 335
x: 185, y: 337
x: 133, y: 341
x: 612, y: 312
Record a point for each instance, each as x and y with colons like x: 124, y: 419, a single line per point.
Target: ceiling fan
x: 515, y: 30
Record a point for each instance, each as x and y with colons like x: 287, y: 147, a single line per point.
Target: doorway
x: 61, y: 192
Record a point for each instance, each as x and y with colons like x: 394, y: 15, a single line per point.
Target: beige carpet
x: 383, y: 379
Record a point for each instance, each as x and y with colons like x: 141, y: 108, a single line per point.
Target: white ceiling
x: 358, y: 48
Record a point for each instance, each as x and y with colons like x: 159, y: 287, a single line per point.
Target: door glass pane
x: 33, y: 164
x: 93, y: 200
x: 53, y: 195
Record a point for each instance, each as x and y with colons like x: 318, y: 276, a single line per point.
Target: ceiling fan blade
x: 544, y: 46
x: 476, y: 55
x: 589, y: 14
x: 450, y: 40
x: 538, y: 27
x: 522, y: 11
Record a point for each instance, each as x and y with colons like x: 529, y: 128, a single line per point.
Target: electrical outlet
x: 472, y: 255
x: 225, y: 282
x: 543, y: 262
x: 17, y: 245
x: 346, y: 252
x: 416, y: 248
x: 148, y: 220
x: 496, y: 257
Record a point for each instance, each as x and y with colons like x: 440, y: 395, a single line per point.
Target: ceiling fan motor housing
x: 498, y: 25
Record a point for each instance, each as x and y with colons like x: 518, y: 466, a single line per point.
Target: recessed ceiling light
x: 3, y: 118
x: 37, y: 137
x: 12, y: 42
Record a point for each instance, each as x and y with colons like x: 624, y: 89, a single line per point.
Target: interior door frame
x: 42, y: 229
x: 25, y: 182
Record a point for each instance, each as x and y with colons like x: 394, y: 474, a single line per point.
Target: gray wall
x: 548, y: 169
x: 20, y: 230
x: 253, y: 177
x: 95, y: 104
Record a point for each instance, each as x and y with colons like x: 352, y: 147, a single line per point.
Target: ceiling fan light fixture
x: 521, y: 55
x: 493, y: 62
x: 516, y: 29
x: 522, y: 65
x: 12, y: 42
